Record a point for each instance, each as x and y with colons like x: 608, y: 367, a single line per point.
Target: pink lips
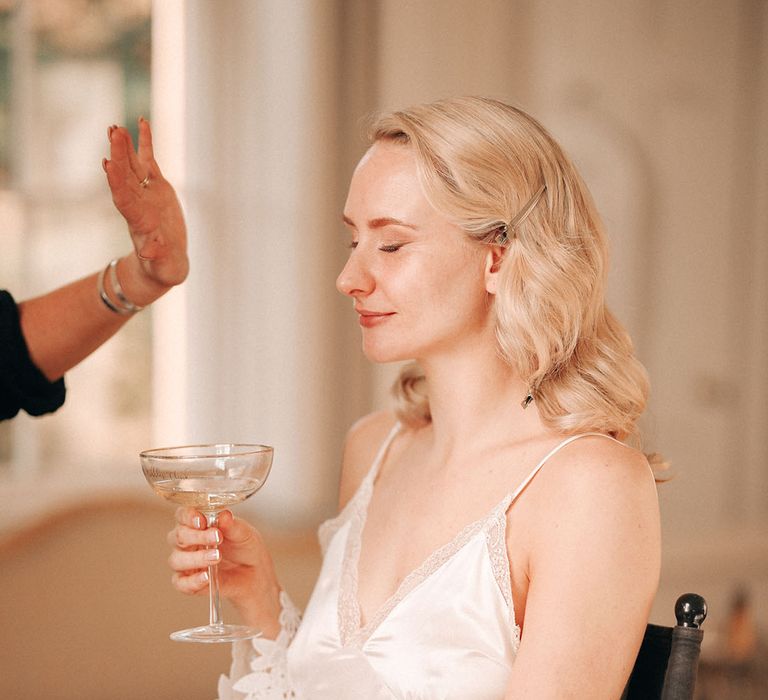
x: 369, y: 319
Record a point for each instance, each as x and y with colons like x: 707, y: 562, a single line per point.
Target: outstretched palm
x: 149, y: 204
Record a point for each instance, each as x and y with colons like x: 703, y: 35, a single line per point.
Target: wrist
x: 137, y: 285
x: 264, y: 615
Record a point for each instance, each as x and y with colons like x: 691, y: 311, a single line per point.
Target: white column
x: 248, y: 354
x: 170, y: 356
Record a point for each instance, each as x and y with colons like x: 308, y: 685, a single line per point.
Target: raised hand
x: 150, y: 207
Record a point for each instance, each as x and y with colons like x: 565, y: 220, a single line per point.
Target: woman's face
x: 417, y: 281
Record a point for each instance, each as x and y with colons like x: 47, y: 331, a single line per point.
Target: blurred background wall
x: 258, y: 110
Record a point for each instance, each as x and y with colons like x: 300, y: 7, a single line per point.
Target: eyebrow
x: 380, y: 222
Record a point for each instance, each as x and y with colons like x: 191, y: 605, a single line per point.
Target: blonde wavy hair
x: 480, y: 162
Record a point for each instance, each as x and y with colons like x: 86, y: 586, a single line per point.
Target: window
x: 68, y: 69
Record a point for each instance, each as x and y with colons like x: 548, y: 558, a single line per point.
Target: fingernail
x: 217, y: 537
x: 212, y: 555
x: 198, y: 522
x: 203, y: 577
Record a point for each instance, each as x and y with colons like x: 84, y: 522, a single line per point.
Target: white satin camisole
x: 448, y: 631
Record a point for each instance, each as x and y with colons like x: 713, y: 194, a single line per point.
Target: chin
x: 383, y: 355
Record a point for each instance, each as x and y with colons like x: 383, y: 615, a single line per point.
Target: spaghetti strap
x: 512, y: 496
x: 379, y: 458
x: 329, y: 527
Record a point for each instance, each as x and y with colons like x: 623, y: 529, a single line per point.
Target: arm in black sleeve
x: 22, y: 384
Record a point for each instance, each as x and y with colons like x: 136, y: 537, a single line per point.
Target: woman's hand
x: 246, y: 571
x: 153, y: 214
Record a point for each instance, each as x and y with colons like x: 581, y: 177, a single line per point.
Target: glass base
x: 212, y: 634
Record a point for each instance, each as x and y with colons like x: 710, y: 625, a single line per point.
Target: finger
x: 120, y: 173
x: 116, y: 176
x: 118, y: 152
x: 146, y: 151
x: 121, y: 139
x: 190, y: 583
x: 234, y: 530
x: 190, y: 517
x: 139, y: 169
x: 181, y: 560
x: 225, y: 517
x: 186, y: 537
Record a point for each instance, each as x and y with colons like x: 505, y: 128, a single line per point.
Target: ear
x: 493, y: 259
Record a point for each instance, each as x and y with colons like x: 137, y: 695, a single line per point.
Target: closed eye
x: 387, y: 248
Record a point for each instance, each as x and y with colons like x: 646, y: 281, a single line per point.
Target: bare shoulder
x: 598, y: 465
x: 593, y: 558
x: 360, y: 447
x: 600, y: 489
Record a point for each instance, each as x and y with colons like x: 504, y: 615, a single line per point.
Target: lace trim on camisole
x: 496, y: 541
x: 493, y: 525
x: 349, y: 608
x: 330, y: 527
x: 356, y: 510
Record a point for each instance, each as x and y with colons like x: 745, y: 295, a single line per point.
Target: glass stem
x: 214, y: 600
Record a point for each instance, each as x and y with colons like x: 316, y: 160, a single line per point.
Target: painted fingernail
x: 216, y: 537
x: 212, y: 555
x: 198, y: 522
x: 203, y: 577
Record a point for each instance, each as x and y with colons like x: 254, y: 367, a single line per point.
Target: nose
x: 355, y: 279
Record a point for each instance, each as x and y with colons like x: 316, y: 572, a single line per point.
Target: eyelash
x: 392, y: 248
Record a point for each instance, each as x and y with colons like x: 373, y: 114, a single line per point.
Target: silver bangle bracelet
x: 123, y: 307
x: 118, y: 290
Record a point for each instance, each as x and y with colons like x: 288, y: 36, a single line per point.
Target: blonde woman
x: 497, y: 537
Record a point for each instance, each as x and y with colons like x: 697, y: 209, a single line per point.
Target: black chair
x: 666, y: 665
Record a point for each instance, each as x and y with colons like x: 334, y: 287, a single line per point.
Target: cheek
x: 457, y: 286
x: 464, y: 275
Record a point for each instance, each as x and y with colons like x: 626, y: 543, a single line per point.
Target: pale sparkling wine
x: 206, y: 493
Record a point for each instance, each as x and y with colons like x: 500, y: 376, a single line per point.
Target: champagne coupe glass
x: 209, y: 478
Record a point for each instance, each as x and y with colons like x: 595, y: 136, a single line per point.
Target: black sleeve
x: 22, y: 384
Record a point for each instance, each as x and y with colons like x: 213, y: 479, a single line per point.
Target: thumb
x: 151, y: 249
x: 234, y: 530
